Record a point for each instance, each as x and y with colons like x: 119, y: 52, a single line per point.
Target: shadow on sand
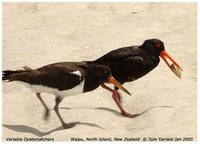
x: 36, y: 132
x: 135, y: 115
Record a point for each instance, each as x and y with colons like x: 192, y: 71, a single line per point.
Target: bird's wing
x: 118, y: 54
x: 126, y: 63
x: 56, y: 76
x: 135, y: 60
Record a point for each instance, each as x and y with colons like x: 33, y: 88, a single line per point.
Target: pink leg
x: 116, y: 97
x: 123, y: 112
x: 112, y: 91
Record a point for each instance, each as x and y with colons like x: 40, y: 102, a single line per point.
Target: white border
x: 198, y: 66
x: 99, y: 0
x: 198, y: 52
x: 1, y: 72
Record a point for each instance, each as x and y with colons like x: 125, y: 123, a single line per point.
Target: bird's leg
x: 46, y: 115
x: 116, y: 96
x: 111, y: 90
x: 65, y: 125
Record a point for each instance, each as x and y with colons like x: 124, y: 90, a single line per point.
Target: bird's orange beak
x: 174, y: 67
x: 117, y: 84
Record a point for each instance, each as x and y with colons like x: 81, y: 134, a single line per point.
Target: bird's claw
x: 129, y: 115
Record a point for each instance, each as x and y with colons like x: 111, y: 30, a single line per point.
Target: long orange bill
x: 117, y: 84
x: 174, y: 67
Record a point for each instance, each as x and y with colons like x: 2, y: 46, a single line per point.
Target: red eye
x: 157, y: 45
x: 105, y: 71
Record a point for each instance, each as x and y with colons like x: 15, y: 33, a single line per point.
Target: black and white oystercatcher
x: 131, y: 63
x: 63, y: 79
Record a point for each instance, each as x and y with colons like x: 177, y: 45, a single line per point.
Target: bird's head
x: 103, y: 74
x: 156, y: 47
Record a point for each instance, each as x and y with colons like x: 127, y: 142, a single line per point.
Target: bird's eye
x: 105, y: 71
x: 157, y: 45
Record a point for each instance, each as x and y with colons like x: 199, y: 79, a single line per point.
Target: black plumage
x: 60, y: 78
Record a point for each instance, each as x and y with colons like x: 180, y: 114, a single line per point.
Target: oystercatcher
x: 131, y: 63
x: 63, y: 79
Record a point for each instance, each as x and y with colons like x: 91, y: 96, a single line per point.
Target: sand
x: 37, y: 34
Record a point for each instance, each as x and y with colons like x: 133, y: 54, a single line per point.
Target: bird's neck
x: 155, y: 60
x: 91, y: 82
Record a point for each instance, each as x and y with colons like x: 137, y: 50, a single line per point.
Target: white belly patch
x: 39, y: 88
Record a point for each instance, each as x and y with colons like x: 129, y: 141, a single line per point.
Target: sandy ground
x: 37, y: 34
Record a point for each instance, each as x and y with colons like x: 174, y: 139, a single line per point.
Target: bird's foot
x: 129, y: 115
x: 117, y: 98
x: 69, y: 125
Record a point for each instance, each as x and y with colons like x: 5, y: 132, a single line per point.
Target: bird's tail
x: 9, y: 74
x: 16, y: 75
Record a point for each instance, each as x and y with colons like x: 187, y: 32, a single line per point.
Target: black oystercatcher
x: 130, y: 63
x: 63, y: 79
